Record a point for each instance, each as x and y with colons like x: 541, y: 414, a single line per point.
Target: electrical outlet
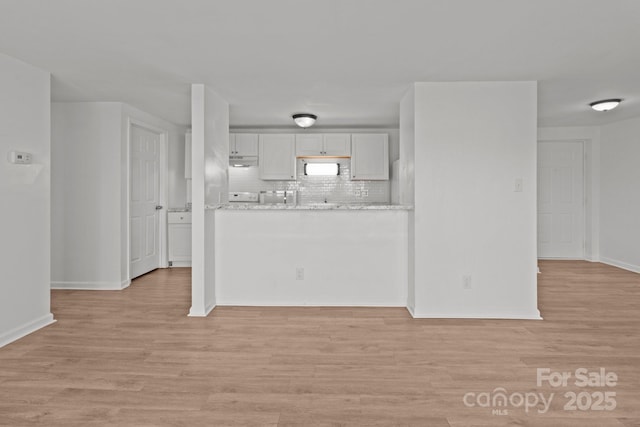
x: 466, y: 282
x: 365, y: 193
x: 357, y: 193
x: 299, y: 273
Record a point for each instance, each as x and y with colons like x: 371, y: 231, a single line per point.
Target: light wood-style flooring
x: 133, y: 358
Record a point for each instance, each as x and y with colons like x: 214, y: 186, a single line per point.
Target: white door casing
x: 144, y: 229
x: 561, y: 203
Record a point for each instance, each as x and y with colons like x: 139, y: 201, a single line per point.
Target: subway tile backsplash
x: 315, y: 189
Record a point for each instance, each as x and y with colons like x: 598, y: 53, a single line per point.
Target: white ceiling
x: 348, y: 61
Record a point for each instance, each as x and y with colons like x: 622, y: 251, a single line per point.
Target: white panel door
x: 145, y: 190
x: 560, y: 200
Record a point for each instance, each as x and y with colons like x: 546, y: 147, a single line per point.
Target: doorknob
x: 158, y: 207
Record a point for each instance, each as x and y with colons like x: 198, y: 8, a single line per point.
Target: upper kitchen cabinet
x: 277, y: 157
x: 337, y: 144
x: 329, y: 144
x: 309, y: 144
x: 243, y: 144
x: 370, y: 156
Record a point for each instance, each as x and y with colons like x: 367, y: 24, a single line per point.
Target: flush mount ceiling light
x: 605, y: 104
x: 304, y: 120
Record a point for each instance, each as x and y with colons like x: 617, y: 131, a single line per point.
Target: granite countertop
x: 315, y: 206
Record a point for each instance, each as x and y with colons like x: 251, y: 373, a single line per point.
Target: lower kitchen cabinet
x: 179, y: 224
x: 369, y: 156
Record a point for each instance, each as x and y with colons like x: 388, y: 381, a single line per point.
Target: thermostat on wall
x: 19, y: 158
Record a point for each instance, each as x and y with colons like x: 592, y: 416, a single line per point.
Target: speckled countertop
x: 319, y: 206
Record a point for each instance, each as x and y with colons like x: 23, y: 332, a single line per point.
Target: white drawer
x: 179, y: 218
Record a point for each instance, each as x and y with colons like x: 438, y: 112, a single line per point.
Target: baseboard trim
x: 620, y: 264
x: 478, y: 316
x: 91, y: 286
x: 411, y: 311
x: 26, y: 329
x: 290, y: 304
x: 199, y: 313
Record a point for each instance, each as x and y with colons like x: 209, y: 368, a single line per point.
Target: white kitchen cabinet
x: 370, y: 156
x: 243, y: 144
x: 337, y: 144
x: 277, y: 158
x: 309, y: 144
x: 187, y: 155
x: 179, y: 239
x: 328, y: 144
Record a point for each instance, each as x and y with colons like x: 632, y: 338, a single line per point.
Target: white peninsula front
x: 318, y: 255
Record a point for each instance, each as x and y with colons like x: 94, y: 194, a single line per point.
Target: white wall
x: 210, y: 162
x: 86, y: 247
x: 472, y: 141
x: 90, y: 192
x: 350, y: 258
x: 620, y: 194
x: 177, y: 181
x: 24, y: 190
x: 406, y: 186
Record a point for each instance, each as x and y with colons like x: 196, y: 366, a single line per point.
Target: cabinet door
x: 370, y: 156
x: 277, y: 158
x: 309, y: 145
x: 180, y: 242
x: 246, y: 144
x: 337, y: 144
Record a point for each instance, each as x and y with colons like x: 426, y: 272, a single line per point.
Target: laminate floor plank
x: 134, y: 358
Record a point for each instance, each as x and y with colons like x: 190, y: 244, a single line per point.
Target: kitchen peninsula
x: 351, y: 255
x: 334, y: 239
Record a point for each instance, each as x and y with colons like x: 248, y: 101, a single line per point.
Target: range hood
x: 243, y: 161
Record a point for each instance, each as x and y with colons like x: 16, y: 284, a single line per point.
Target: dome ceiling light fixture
x: 304, y: 120
x: 605, y: 104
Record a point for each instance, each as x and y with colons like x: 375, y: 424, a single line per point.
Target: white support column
x: 474, y: 224
x: 209, y: 172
